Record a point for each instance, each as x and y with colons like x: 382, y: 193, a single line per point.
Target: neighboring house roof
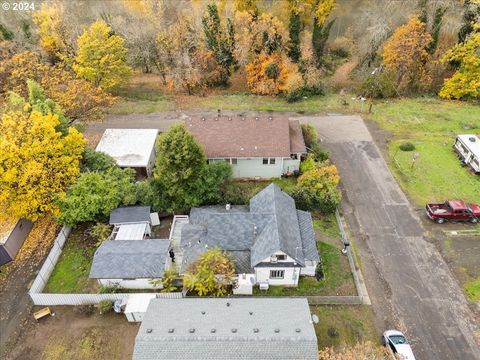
x: 130, y: 259
x: 129, y: 147
x: 209, y: 329
x: 130, y: 214
x: 272, y: 136
x: 271, y: 224
x: 297, y: 142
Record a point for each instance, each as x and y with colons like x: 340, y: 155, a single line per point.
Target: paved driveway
x: 424, y: 297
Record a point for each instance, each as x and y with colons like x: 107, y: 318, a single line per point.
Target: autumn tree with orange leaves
x: 80, y: 100
x: 406, y: 55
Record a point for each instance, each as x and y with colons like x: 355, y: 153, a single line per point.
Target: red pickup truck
x: 456, y: 210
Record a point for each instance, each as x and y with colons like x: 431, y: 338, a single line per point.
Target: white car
x: 398, y: 343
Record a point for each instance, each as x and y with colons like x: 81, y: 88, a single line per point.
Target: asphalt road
x: 424, y: 298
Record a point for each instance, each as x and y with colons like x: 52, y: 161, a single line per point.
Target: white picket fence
x: 46, y: 299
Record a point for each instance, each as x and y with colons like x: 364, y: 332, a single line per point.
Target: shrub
x: 105, y: 306
x: 320, y: 152
x: 96, y: 161
x: 109, y: 289
x: 310, y: 135
x: 407, y: 146
x: 381, y: 85
x: 305, y: 91
x: 308, y: 164
x: 340, y: 52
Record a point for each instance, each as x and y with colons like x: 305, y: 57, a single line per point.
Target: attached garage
x: 12, y: 236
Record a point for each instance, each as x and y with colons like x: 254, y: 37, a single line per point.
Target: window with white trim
x: 265, y: 161
x: 234, y: 161
x: 272, y: 161
x: 277, y: 274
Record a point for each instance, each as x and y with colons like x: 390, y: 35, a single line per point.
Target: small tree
x: 101, y: 232
x: 318, y: 189
x: 101, y: 57
x: 105, y: 306
x: 168, y: 278
x: 210, y: 274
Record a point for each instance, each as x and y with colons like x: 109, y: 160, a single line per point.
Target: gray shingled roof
x: 307, y: 234
x: 271, y: 224
x: 130, y: 214
x: 130, y: 259
x: 284, y: 330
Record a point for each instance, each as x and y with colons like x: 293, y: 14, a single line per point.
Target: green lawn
x: 326, y: 224
x: 431, y: 125
x: 338, y: 278
x: 344, y: 325
x: 472, y: 289
x: 437, y: 173
x: 70, y: 275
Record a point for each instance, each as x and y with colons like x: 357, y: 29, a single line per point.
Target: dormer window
x: 282, y: 257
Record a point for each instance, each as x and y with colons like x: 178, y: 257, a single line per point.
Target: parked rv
x: 468, y: 148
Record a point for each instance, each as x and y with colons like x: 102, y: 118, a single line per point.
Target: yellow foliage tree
x: 37, y: 163
x: 405, y: 54
x: 211, y: 274
x: 79, y: 99
x: 465, y: 82
x: 270, y: 74
x: 323, y: 10
x: 101, y: 57
x: 52, y: 32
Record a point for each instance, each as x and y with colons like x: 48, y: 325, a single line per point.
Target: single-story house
x: 12, y: 236
x: 270, y: 239
x: 130, y: 264
x: 256, y: 147
x: 227, y: 329
x: 131, y: 223
x: 131, y: 148
x: 468, y: 149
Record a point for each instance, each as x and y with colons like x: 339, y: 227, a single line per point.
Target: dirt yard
x: 75, y: 336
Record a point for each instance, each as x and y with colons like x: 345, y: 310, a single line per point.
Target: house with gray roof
x: 255, y: 146
x: 130, y: 264
x: 227, y: 329
x: 271, y: 242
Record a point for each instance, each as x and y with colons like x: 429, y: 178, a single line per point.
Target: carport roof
x: 129, y: 147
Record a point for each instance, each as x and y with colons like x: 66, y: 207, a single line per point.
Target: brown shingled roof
x: 269, y: 136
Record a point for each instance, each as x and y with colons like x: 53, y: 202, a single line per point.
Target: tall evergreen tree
x: 219, y: 40
x: 319, y: 39
x: 436, y: 27
x: 294, y: 29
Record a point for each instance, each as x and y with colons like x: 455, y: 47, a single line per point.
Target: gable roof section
x: 129, y: 147
x: 182, y: 329
x: 297, y: 142
x: 307, y: 234
x: 272, y: 224
x: 130, y: 214
x: 246, y: 137
x: 283, y: 232
x: 130, y: 259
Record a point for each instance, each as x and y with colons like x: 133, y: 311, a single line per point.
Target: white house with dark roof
x: 130, y: 148
x: 227, y: 329
x: 130, y: 264
x: 271, y: 242
x: 256, y: 147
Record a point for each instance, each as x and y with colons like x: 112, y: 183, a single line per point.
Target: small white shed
x: 131, y: 148
x: 137, y: 305
x: 468, y: 149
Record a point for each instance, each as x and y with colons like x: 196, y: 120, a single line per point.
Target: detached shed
x: 130, y: 264
x: 12, y: 236
x: 131, y: 148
